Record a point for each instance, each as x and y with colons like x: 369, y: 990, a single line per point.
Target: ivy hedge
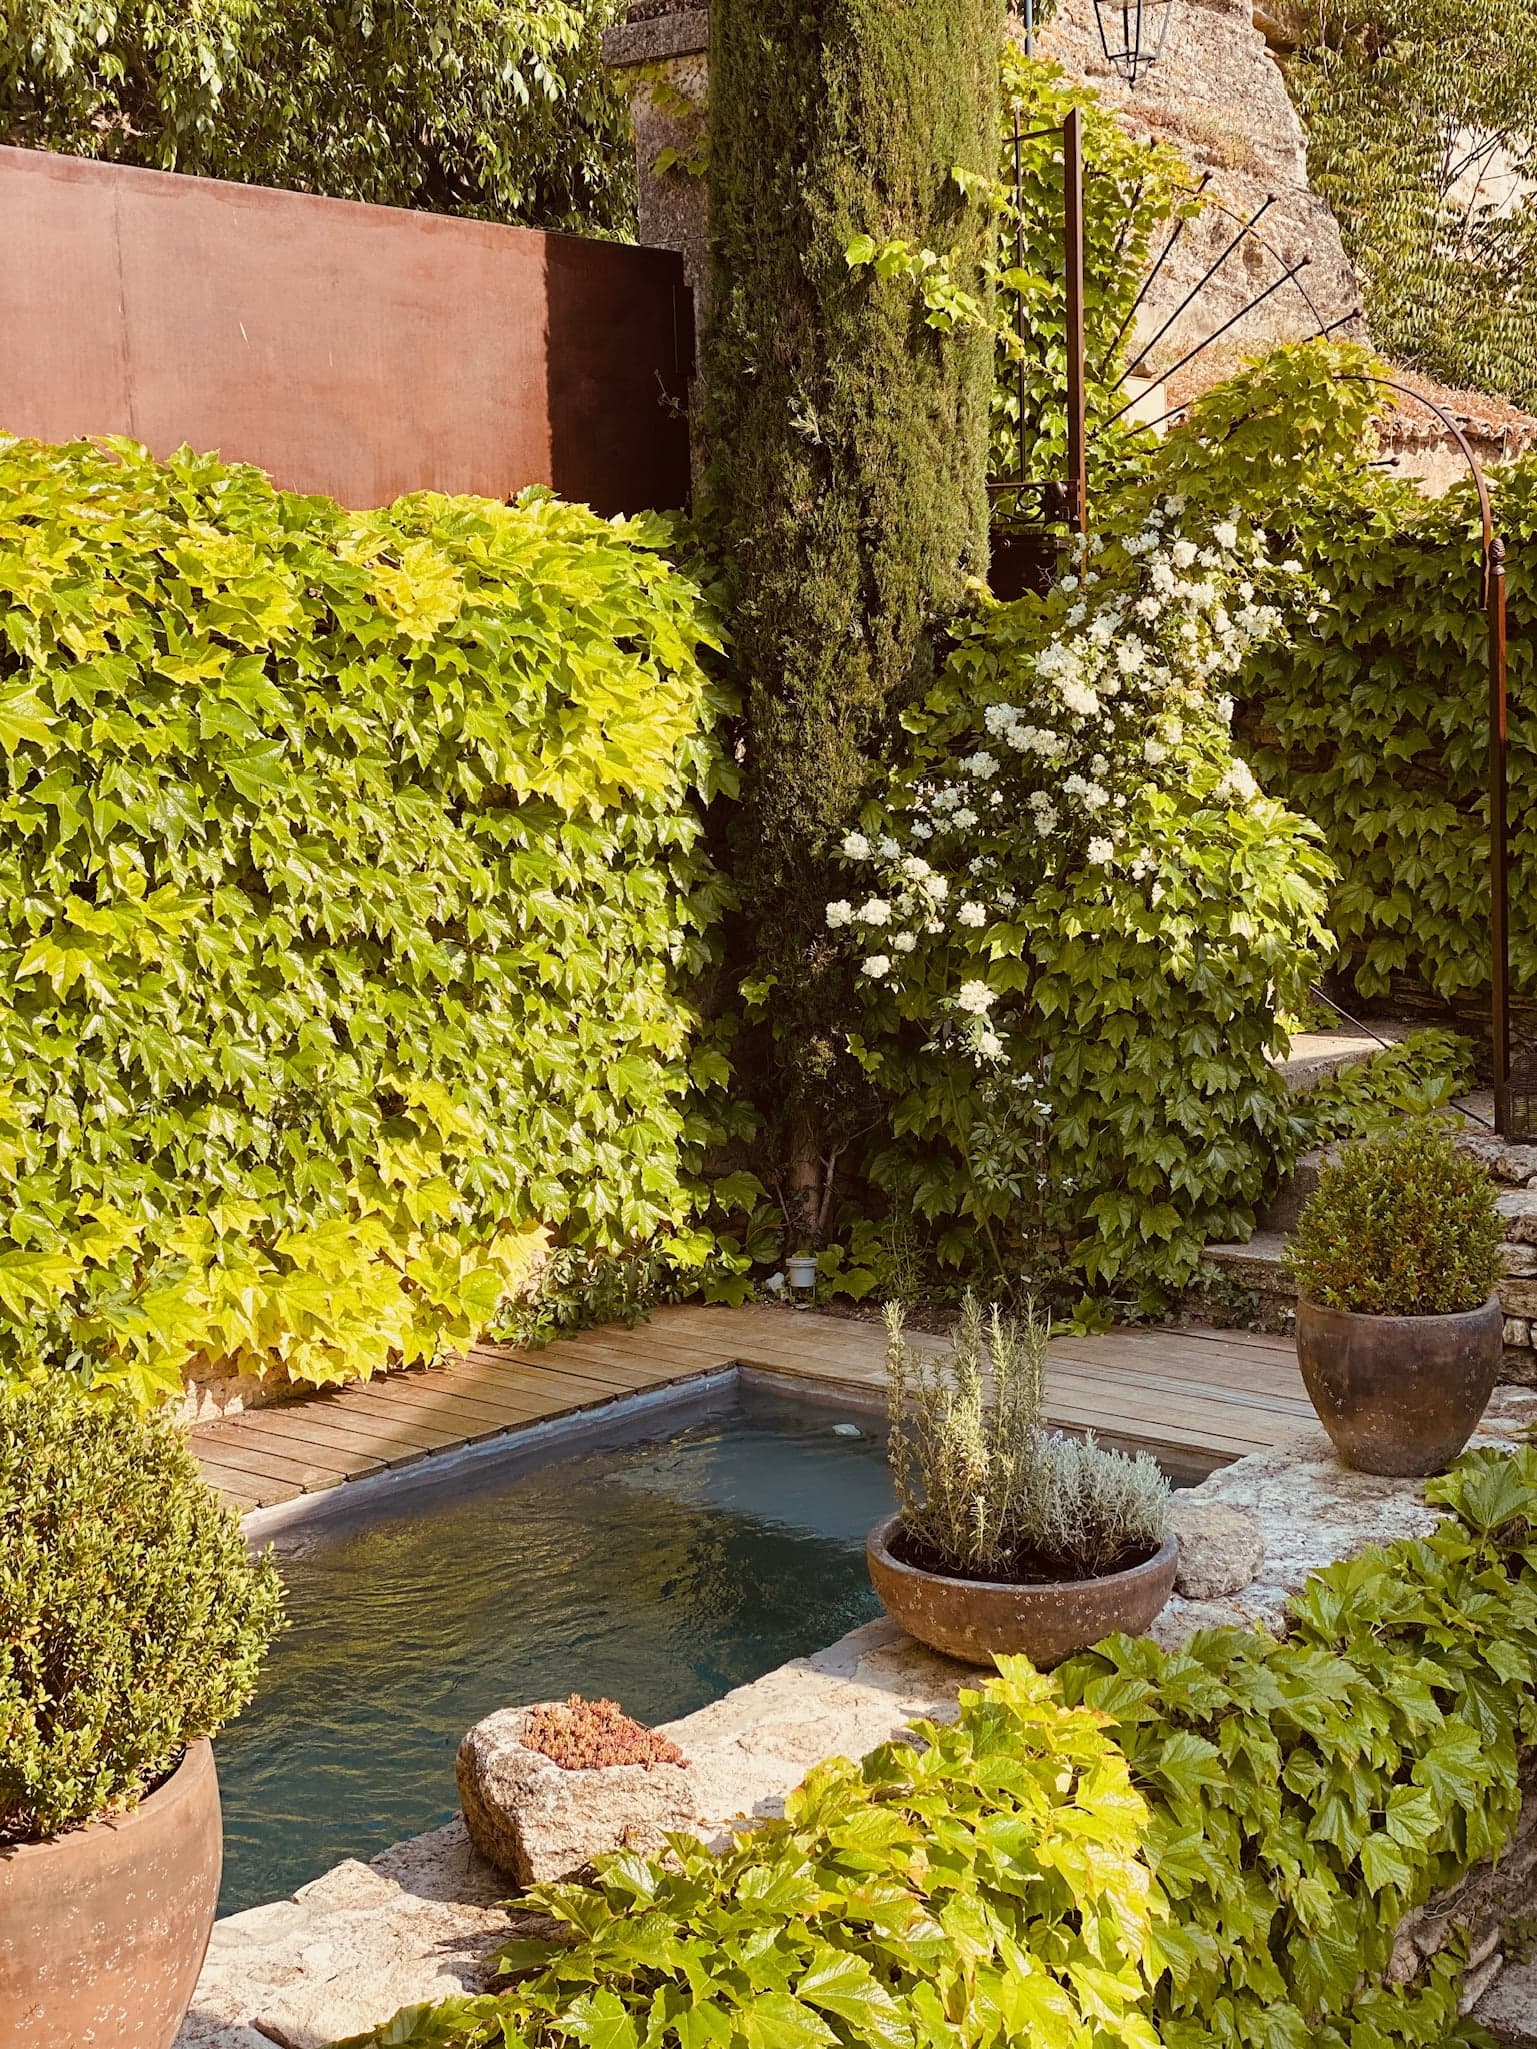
x: 1376, y: 726
x: 1208, y: 1848
x: 351, y: 878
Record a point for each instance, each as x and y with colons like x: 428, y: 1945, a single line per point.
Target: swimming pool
x: 718, y: 1540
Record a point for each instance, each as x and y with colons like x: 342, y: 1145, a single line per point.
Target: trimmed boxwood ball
x: 1405, y: 1226
x: 133, y: 1618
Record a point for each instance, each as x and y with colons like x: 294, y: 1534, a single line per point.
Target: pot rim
x: 196, y: 1756
x: 1405, y: 1316
x: 878, y: 1543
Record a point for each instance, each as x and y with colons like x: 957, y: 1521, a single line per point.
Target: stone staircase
x: 1257, y: 1267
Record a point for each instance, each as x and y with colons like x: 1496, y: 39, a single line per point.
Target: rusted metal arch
x: 1493, y: 598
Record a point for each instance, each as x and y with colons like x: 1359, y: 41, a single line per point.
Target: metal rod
x: 1217, y: 333
x: 1022, y: 391
x: 1173, y: 413
x: 1077, y: 422
x: 1150, y: 280
x: 1198, y: 287
x: 1493, y: 599
x: 1499, y: 830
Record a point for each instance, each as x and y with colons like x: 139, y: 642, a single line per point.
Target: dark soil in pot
x: 1043, y: 1620
x: 1025, y: 1569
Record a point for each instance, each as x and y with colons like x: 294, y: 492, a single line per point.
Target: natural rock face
x: 1218, y: 96
x: 536, y: 1820
x: 1220, y: 1549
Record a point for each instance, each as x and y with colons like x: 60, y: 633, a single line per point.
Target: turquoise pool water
x: 704, y: 1551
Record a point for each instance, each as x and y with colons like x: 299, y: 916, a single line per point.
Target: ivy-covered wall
x: 1371, y: 715
x: 351, y: 884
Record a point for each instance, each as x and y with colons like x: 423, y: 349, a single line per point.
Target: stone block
x: 537, y: 1821
x: 1519, y: 1299
x: 1509, y: 2011
x: 1518, y: 1207
x: 1517, y: 1331
x: 1519, y: 1261
x: 1517, y: 1164
x: 1220, y: 1549
x: 1518, y: 1367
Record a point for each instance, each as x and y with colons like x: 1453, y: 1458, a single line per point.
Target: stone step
x: 1314, y: 1056
x: 1257, y: 1265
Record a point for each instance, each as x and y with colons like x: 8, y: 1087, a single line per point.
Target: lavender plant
x: 985, y: 1490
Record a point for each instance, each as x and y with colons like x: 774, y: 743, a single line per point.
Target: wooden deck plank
x: 322, y: 1422
x: 1200, y: 1394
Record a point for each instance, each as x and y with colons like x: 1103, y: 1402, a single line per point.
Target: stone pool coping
x: 346, y: 1952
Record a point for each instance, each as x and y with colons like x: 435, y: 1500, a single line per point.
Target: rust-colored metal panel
x: 362, y: 351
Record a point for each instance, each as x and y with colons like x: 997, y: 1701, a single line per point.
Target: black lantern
x: 1132, y: 33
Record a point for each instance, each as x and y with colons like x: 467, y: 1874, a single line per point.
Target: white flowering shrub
x: 1076, y: 919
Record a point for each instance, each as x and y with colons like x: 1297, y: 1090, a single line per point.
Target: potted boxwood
x: 133, y: 1620
x: 1399, y: 1329
x: 1009, y: 1538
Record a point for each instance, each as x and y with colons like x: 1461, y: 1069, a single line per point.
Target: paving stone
x: 1220, y: 1548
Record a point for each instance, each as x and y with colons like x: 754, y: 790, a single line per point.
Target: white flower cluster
x: 1115, y: 701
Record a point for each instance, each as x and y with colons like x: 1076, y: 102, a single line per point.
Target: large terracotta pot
x: 1400, y: 1395
x: 103, y: 1929
x: 976, y: 1620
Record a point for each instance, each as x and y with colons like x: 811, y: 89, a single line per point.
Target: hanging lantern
x: 1132, y: 33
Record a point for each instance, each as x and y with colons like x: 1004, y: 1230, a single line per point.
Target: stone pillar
x: 661, y: 53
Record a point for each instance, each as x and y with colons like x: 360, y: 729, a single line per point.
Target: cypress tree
x: 847, y: 444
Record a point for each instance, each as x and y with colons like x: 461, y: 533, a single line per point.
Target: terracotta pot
x: 1399, y: 1395
x: 103, y: 1929
x: 976, y: 1620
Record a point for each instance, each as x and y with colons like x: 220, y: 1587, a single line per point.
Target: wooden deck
x: 1197, y: 1398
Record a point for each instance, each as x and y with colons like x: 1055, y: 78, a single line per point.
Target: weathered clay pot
x: 1399, y: 1395
x: 976, y: 1620
x: 103, y: 1929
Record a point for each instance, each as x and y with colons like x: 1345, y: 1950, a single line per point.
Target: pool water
x: 660, y: 1572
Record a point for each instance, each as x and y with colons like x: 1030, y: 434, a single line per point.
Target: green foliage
x: 497, y: 108
x: 1082, y: 921
x: 1409, y: 104
x: 1307, y: 1794
x: 133, y: 1619
x: 1293, y: 1798
x: 983, y: 1889
x: 848, y: 438
x: 1131, y: 192
x: 985, y: 1490
x: 1377, y: 727
x: 1400, y: 1226
x: 1370, y: 715
x: 1425, y: 1071
x: 350, y: 879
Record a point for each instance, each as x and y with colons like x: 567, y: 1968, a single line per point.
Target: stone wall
x: 1218, y: 96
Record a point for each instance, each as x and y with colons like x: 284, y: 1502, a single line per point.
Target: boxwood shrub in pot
x: 1399, y: 1328
x: 1010, y: 1538
x: 133, y: 1621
